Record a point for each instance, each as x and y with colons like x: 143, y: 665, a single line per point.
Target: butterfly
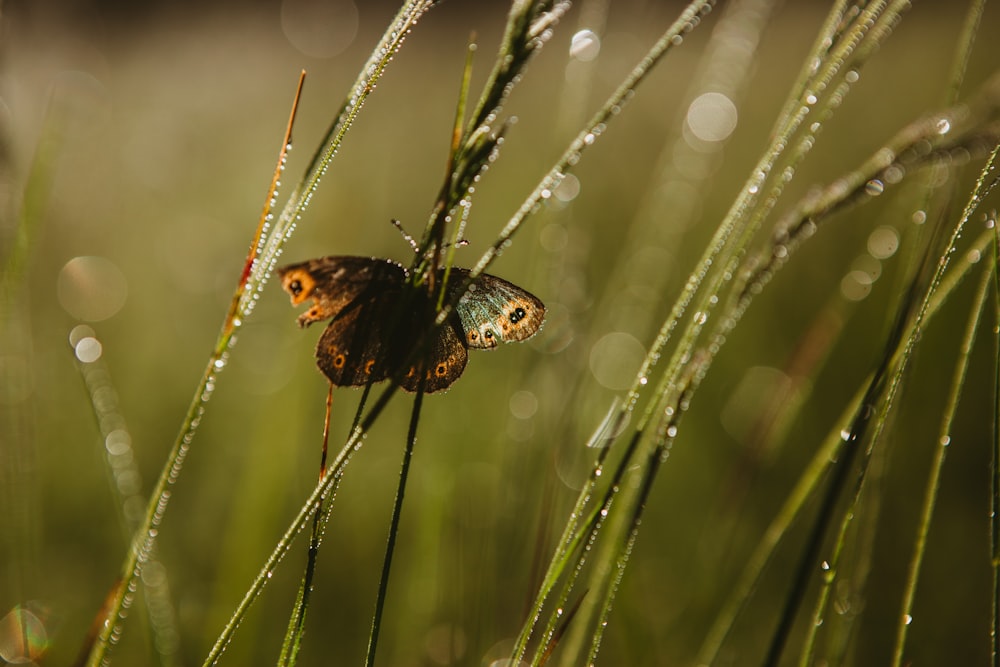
x: 375, y: 321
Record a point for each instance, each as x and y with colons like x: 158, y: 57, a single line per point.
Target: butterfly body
x: 375, y: 321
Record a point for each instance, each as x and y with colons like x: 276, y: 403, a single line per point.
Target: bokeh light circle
x: 615, y: 359
x: 91, y: 289
x: 319, y: 28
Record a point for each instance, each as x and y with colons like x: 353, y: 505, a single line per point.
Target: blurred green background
x: 161, y: 124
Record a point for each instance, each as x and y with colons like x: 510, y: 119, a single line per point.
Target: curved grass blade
x: 995, y: 462
x: 937, y: 464
x: 145, y: 536
x: 807, y: 484
x: 902, y: 354
x: 724, y: 237
x: 296, y: 623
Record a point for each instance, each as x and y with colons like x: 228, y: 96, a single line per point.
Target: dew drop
x: 585, y: 45
x: 874, y: 187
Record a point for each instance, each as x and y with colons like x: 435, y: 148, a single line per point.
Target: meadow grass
x: 727, y: 446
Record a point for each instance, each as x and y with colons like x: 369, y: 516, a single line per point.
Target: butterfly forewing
x: 334, y: 282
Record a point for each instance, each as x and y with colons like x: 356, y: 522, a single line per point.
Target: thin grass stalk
x: 899, y: 361
x: 526, y: 30
x: 937, y: 465
x: 708, y: 260
x: 572, y: 532
x: 634, y: 495
x: 963, y: 50
x: 666, y: 432
x: 145, y: 536
x: 843, y: 466
x: 589, y: 531
x: 570, y: 157
x: 296, y: 623
x: 629, y: 487
x: 718, y: 263
x: 810, y: 478
x: 734, y: 233
x: 963, y: 53
x: 397, y: 510
x: 726, y: 67
x: 312, y: 504
x: 995, y: 462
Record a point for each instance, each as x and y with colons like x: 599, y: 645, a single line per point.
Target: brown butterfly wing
x: 495, y: 311
x: 444, y: 361
x: 352, y: 350
x: 337, y: 281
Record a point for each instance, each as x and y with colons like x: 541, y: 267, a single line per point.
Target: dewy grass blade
x: 896, y: 362
x: 808, y: 481
x: 145, y: 536
x: 995, y: 462
x: 296, y: 623
x: 937, y: 464
x: 734, y: 233
x: 593, y: 130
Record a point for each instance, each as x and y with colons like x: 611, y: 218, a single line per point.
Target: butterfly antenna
x: 409, y: 239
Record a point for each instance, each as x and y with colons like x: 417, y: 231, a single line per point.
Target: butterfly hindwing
x: 353, y: 350
x: 444, y: 362
x: 495, y: 311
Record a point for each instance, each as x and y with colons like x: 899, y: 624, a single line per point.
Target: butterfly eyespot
x: 369, y: 365
x: 339, y: 361
x: 295, y: 287
x: 473, y: 336
x: 441, y: 370
x: 488, y: 335
x: 517, y: 315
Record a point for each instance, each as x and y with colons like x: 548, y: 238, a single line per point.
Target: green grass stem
x: 809, y: 480
x: 937, y: 463
x: 397, y: 511
x: 995, y: 460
